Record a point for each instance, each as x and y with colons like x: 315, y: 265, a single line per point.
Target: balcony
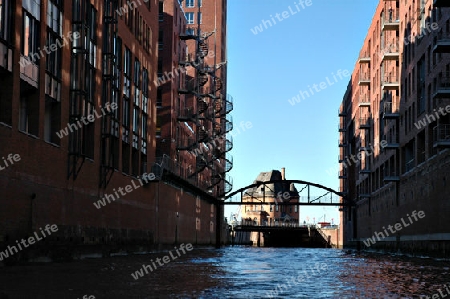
x: 391, y: 51
x: 342, y: 128
x: 391, y: 177
x: 365, y: 122
x: 228, y: 123
x: 389, y: 111
x: 189, y: 87
x: 365, y: 170
x: 441, y: 3
x: 342, y: 142
x: 443, y: 87
x: 443, y: 43
x: 228, y: 104
x: 364, y: 80
x: 185, y: 143
x: 225, y: 165
x: 341, y: 158
x: 440, y: 103
x: 364, y: 101
x: 390, y: 82
x: 220, y: 150
x: 186, y: 115
x: 202, y: 134
x: 441, y: 135
x: 390, y: 20
x: 392, y: 142
x: 364, y: 58
x: 228, y: 183
x: 342, y: 112
x: 365, y: 195
x: 343, y: 174
x: 189, y: 34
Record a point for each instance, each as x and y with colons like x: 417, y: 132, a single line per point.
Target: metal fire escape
x: 79, y: 98
x: 110, y: 92
x: 210, y: 118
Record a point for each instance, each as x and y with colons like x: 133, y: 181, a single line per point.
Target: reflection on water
x: 324, y: 273
x: 235, y: 272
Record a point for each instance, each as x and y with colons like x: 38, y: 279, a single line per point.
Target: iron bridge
x: 329, y: 197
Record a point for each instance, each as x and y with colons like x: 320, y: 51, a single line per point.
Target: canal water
x: 233, y: 272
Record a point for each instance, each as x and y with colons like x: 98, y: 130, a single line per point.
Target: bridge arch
x: 302, y: 200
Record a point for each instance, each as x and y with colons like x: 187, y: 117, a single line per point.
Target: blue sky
x: 267, y: 69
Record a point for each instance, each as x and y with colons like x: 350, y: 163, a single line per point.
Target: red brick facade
x: 400, y: 80
x: 58, y: 180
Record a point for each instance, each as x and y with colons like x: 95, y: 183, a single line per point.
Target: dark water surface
x: 234, y: 272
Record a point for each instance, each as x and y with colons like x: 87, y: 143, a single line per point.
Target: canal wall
x: 333, y: 235
x: 152, y: 216
x: 391, y: 217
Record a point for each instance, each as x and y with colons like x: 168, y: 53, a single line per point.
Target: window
x: 144, y: 108
x: 147, y: 37
x: 190, y: 17
x: 190, y: 3
x: 127, y: 73
x: 126, y: 113
x: 136, y: 119
x: 159, y: 97
x: 126, y: 96
x: 140, y: 28
x: 52, y: 118
x: 190, y: 31
x: 30, y: 37
x: 129, y: 21
x: 92, y: 22
x: 54, y: 16
x: 161, y: 40
x: 137, y: 95
x: 5, y: 20
x: 161, y: 11
x: 52, y: 123
x: 53, y: 64
x: 158, y: 126
x: 29, y: 112
x: 160, y: 68
x: 117, y: 75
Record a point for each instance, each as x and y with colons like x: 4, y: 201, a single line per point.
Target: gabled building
x: 274, y: 214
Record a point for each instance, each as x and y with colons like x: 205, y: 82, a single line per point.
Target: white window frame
x: 190, y: 18
x: 190, y: 3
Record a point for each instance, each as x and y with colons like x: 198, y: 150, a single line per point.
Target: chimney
x: 283, y: 173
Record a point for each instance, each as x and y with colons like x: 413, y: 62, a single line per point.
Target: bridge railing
x: 267, y: 223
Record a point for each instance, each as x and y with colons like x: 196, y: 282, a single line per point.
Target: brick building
x: 275, y: 193
x: 78, y: 110
x: 194, y: 110
x: 395, y: 132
